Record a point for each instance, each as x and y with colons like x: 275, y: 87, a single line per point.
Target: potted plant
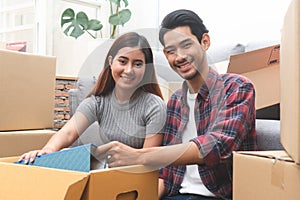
x: 80, y: 23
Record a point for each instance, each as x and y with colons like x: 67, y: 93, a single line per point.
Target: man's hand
x: 118, y: 154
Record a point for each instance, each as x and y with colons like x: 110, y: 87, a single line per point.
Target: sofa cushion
x: 223, y: 52
x: 268, y: 135
x: 83, y: 87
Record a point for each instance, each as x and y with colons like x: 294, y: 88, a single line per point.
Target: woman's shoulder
x: 149, y: 97
x: 92, y: 99
x: 97, y: 100
x: 154, y: 106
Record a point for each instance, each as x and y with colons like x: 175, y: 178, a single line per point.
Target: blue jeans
x: 189, y: 197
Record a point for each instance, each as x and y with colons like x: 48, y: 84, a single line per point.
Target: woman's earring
x: 110, y: 60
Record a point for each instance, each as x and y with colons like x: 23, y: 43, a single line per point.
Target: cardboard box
x: 265, y: 175
x: 290, y: 82
x: 27, y: 84
x: 32, y: 182
x: 13, y: 143
x: 262, y: 68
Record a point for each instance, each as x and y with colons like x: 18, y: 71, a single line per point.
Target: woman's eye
x: 121, y: 61
x: 138, y: 65
x: 170, y: 52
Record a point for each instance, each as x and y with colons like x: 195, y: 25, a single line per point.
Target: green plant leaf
x: 82, y: 19
x: 77, y: 26
x: 67, y: 16
x: 125, y: 2
x: 117, y: 2
x: 94, y: 25
x: 120, y: 18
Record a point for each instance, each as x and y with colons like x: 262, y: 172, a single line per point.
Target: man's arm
x: 179, y: 154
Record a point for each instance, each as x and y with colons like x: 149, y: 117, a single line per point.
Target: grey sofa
x: 268, y: 134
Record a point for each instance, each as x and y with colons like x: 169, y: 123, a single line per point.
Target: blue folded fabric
x: 77, y: 159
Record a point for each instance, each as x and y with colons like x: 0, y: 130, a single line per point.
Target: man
x: 211, y: 116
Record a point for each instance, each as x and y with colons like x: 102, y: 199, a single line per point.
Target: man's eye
x: 187, y: 45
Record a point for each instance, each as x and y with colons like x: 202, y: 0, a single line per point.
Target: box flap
x: 76, y: 190
x: 38, y: 183
x: 277, y: 155
x: 254, y: 60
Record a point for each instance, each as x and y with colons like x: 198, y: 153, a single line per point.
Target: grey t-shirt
x: 128, y: 122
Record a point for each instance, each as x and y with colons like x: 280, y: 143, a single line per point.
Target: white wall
x: 144, y: 14
x: 230, y: 21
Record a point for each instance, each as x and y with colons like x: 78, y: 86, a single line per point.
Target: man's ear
x: 205, y: 42
x: 165, y: 52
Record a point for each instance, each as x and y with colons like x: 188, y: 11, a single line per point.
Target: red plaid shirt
x: 225, y: 119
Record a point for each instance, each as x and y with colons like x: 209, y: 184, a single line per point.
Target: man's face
x: 184, y: 52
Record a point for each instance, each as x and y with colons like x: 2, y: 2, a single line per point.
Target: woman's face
x: 128, y: 68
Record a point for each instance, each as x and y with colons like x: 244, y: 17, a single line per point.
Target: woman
x: 126, y: 101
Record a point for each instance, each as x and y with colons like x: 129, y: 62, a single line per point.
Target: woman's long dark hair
x: 105, y: 83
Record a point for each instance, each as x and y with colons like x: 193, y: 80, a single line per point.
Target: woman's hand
x: 30, y: 156
x: 118, y: 154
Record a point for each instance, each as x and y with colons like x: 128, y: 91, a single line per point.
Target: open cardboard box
x: 33, y: 182
x: 27, y: 84
x: 263, y: 175
x: 13, y: 143
x: 261, y: 66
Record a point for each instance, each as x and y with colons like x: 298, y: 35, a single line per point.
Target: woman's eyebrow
x: 135, y: 60
x: 124, y: 57
x: 138, y: 60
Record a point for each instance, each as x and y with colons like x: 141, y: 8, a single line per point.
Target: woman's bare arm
x: 61, y: 139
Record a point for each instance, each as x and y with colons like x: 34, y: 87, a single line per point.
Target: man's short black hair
x: 179, y: 18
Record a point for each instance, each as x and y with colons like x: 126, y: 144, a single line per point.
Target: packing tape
x: 277, y: 176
